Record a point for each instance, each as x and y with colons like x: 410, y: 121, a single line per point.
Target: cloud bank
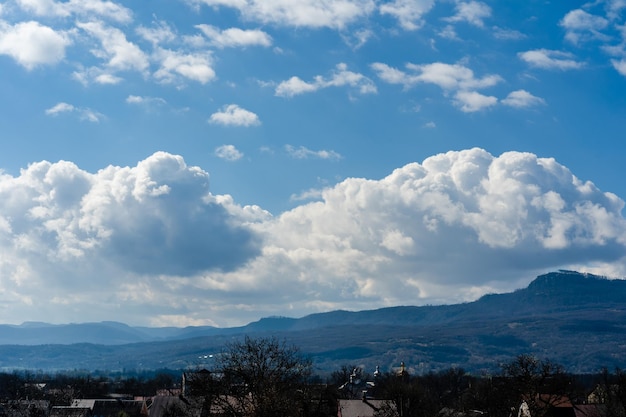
x: 150, y: 244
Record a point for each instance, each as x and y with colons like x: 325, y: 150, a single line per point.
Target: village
x: 266, y: 378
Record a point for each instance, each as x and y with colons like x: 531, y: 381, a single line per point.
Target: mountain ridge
x: 575, y: 319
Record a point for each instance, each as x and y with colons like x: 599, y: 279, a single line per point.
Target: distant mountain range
x: 577, y: 320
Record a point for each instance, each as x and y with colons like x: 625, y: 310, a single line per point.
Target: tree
x: 405, y: 396
x: 541, y: 384
x: 612, y: 392
x: 262, y: 378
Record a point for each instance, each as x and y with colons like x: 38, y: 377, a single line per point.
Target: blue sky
x: 213, y: 162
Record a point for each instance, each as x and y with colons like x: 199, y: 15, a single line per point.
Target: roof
x: 106, y: 408
x: 58, y: 411
x: 161, y: 404
x: 359, y: 408
x: 590, y: 410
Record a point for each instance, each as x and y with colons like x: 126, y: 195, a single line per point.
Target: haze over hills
x: 577, y: 320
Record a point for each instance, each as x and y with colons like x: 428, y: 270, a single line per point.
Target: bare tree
x: 262, y: 378
x: 541, y: 384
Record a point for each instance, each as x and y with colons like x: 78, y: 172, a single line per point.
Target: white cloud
x: 341, y: 77
x: 472, y: 12
x: 89, y: 8
x: 449, y: 77
x: 580, y: 24
x: 105, y: 76
x: 310, y: 194
x: 446, y: 76
x: 358, y: 38
x: 154, y: 238
x: 295, y: 86
x: 147, y: 103
x: 228, y: 152
x: 620, y: 66
x: 393, y: 75
x: 614, y: 8
x: 472, y: 101
x: 448, y: 32
x: 60, y: 108
x: 408, y: 12
x: 121, y: 227
x: 176, y: 64
x: 32, y: 44
x: 144, y: 100
x: 305, y: 153
x: 522, y: 98
x: 161, y: 32
x: 549, y: 59
x: 235, y: 37
x: 507, y: 34
x: 336, y: 14
x: 451, y: 228
x: 84, y: 113
x: 118, y: 53
x: 233, y: 115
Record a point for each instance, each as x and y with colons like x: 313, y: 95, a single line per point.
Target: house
x: 590, y: 410
x: 67, y: 411
x: 168, y: 405
x: 164, y: 406
x: 561, y: 406
x: 102, y: 408
x: 360, y: 408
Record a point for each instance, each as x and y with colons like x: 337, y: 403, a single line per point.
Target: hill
x: 577, y: 320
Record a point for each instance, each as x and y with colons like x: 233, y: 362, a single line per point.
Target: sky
x: 213, y: 162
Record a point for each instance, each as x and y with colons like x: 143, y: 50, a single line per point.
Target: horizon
x: 209, y: 162
x: 259, y: 319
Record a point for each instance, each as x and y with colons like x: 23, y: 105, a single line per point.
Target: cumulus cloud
x: 408, y: 12
x: 235, y: 37
x: 153, y: 238
x: 161, y: 32
x: 449, y: 229
x: 104, y: 76
x: 116, y: 50
x: 614, y: 8
x: 233, y: 115
x: 449, y: 77
x: 336, y: 14
x: 66, y: 231
x: 144, y: 100
x: 32, y: 44
x: 91, y: 8
x: 195, y: 66
x: 305, y: 153
x: 507, y: 34
x: 550, y: 59
x: 84, y: 113
x: 446, y: 76
x: 472, y: 12
x: 522, y: 98
x: 619, y: 65
x: 471, y: 101
x: 228, y: 152
x: 341, y: 77
x: 580, y: 24
x: 60, y: 108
